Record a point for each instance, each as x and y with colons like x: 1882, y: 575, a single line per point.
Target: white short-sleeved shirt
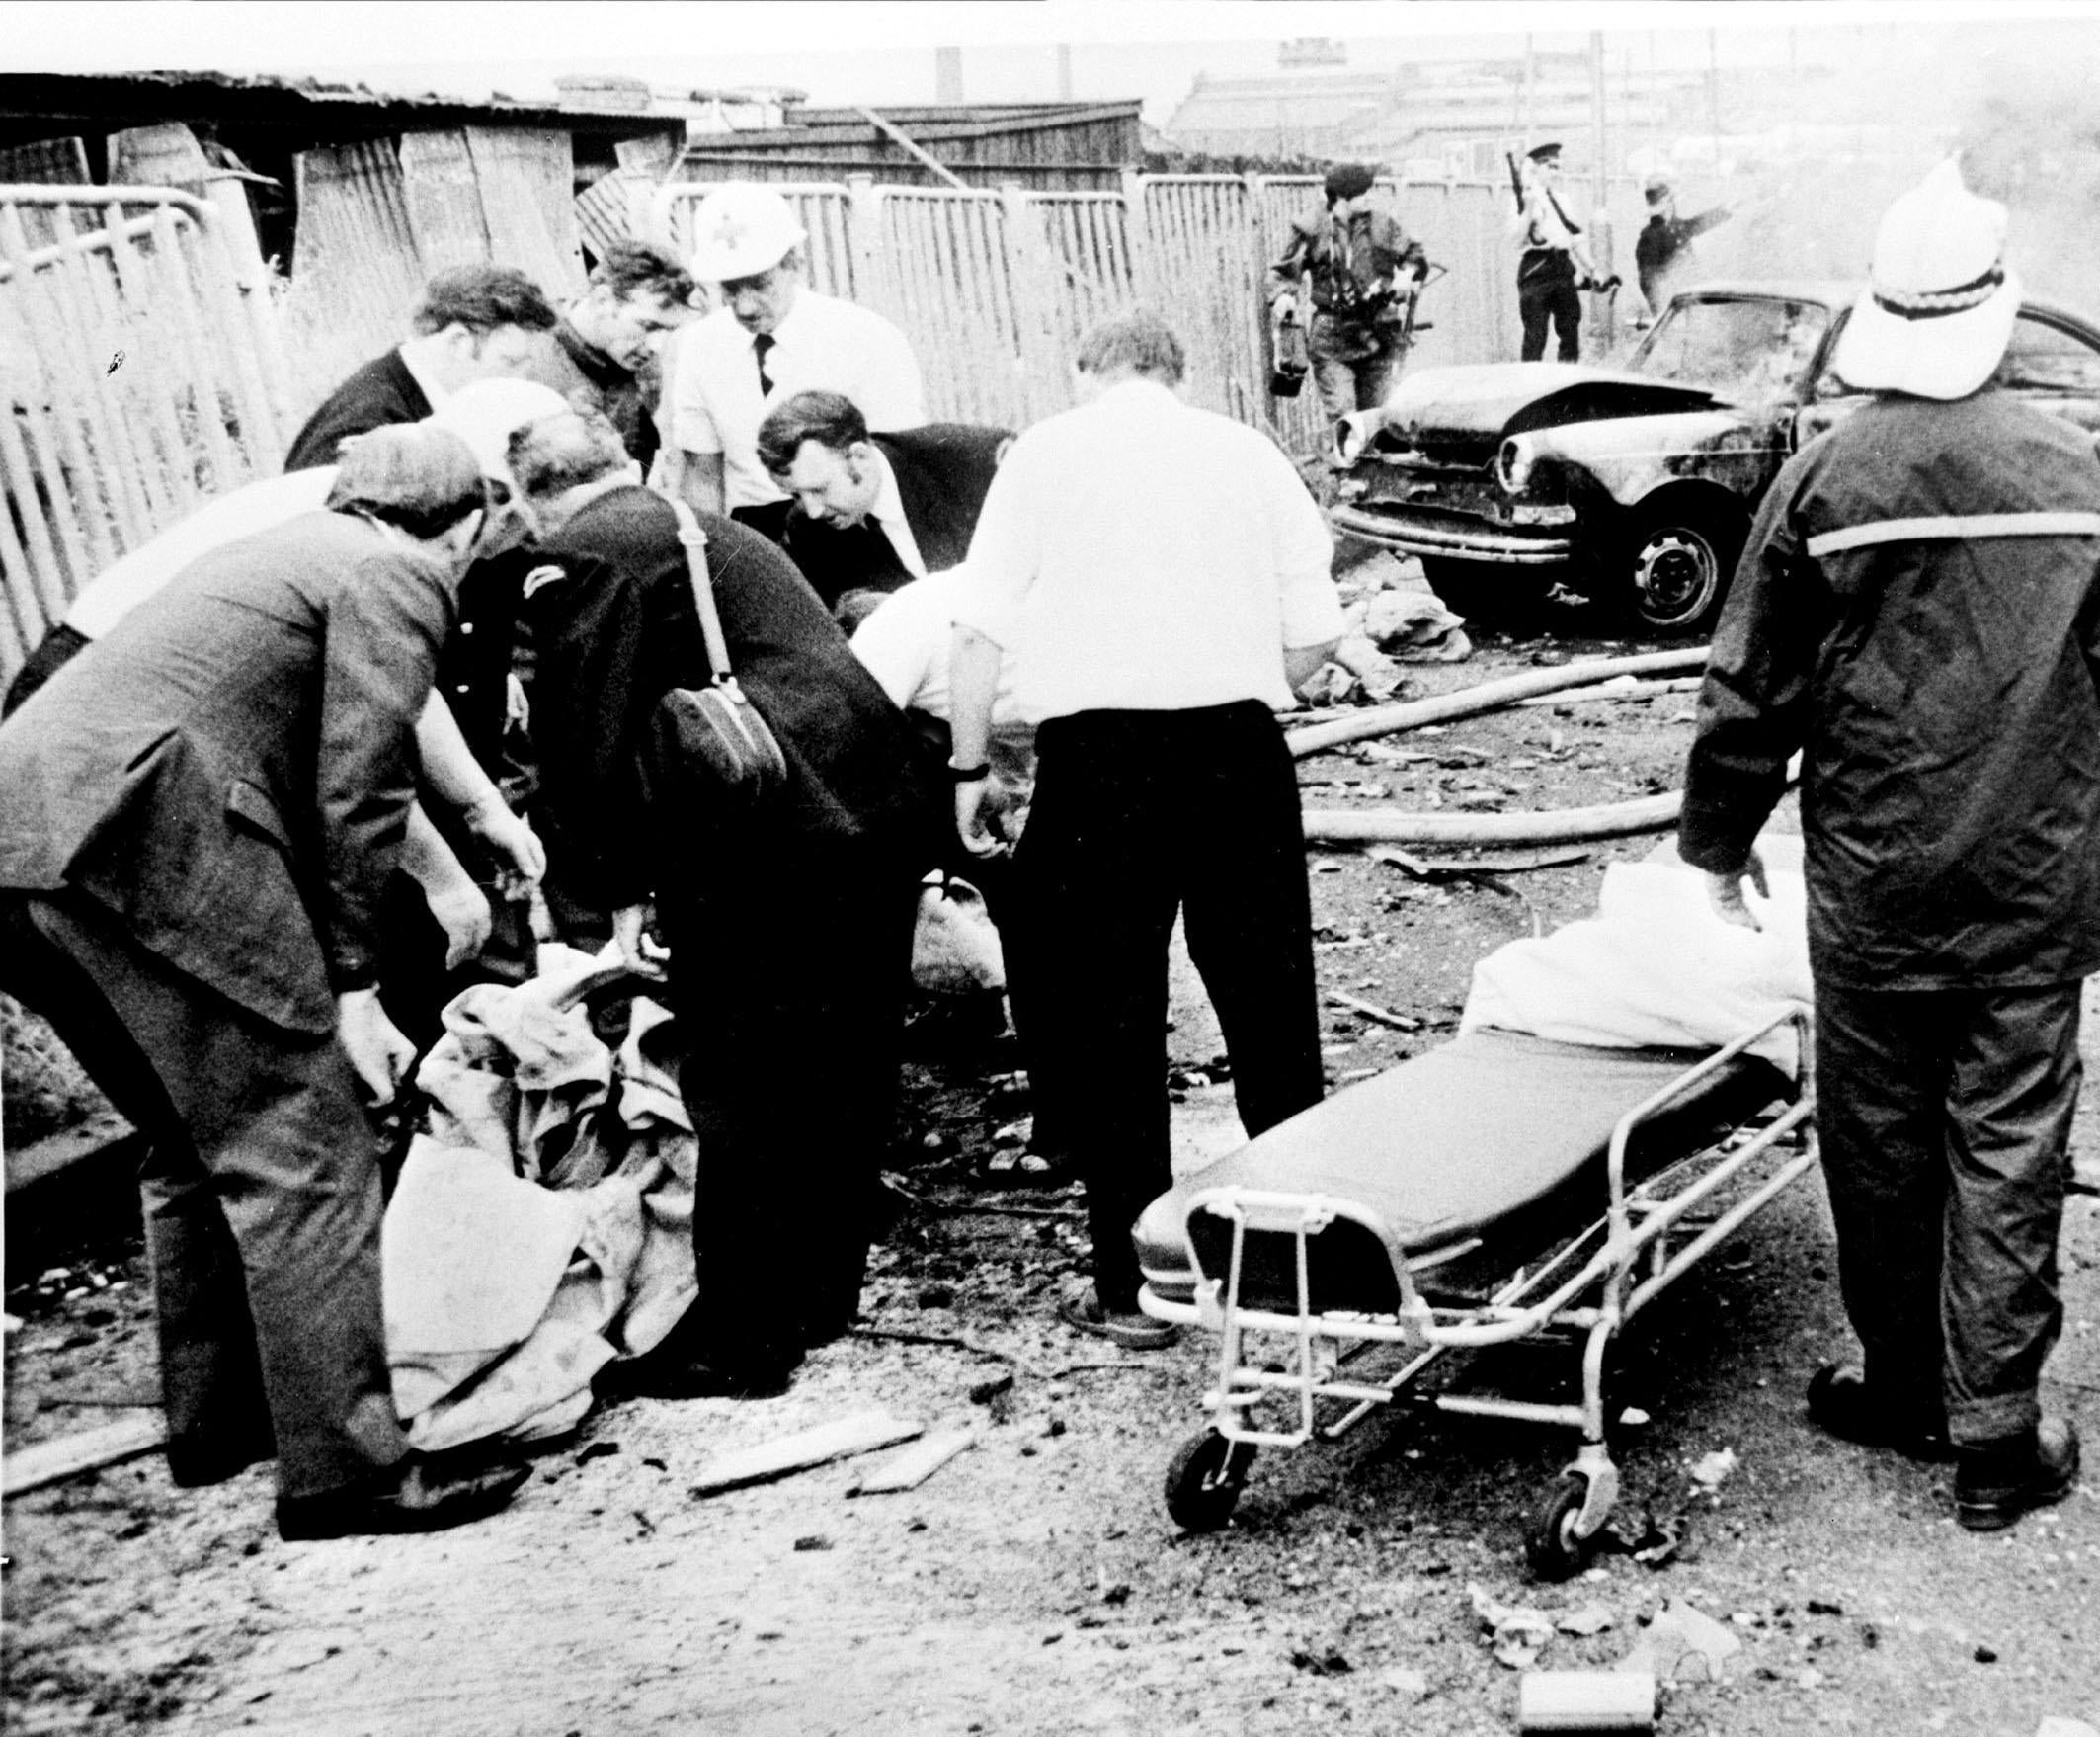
x: 1138, y: 554
x: 905, y: 639
x: 823, y: 345
x: 130, y: 579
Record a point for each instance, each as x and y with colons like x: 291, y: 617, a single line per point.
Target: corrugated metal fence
x: 995, y: 289
x: 140, y: 376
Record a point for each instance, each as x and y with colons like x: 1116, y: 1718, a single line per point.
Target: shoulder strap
x: 694, y: 542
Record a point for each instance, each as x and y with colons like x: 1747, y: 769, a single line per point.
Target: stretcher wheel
x: 1204, y: 1480
x: 1551, y: 1547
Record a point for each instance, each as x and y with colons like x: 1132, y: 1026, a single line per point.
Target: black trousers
x: 1945, y: 1122
x: 789, y: 978
x: 1139, y: 815
x: 260, y: 1187
x: 1551, y: 299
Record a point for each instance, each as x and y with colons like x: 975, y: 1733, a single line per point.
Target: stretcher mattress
x: 1497, y: 1135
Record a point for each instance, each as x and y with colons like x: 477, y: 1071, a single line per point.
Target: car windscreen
x: 1749, y: 350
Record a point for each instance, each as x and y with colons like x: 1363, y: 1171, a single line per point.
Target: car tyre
x: 1676, y: 567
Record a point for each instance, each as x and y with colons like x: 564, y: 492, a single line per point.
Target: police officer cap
x: 1545, y: 153
x: 1658, y: 188
x: 1349, y: 180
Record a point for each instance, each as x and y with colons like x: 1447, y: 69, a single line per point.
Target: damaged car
x: 1635, y: 484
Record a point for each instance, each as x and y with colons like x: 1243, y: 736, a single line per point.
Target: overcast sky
x: 881, y: 50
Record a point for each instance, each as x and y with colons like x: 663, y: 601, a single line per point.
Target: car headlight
x: 1513, y: 465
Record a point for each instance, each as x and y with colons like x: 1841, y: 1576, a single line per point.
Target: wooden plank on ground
x: 41, y: 1158
x: 911, y: 1466
x: 862, y: 1433
x: 64, y: 1457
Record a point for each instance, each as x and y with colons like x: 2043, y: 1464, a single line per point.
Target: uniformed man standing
x: 1358, y: 269
x: 1663, y: 251
x: 1554, y: 265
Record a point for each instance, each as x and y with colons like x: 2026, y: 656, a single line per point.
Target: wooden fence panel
x: 947, y: 257
x: 527, y: 181
x: 1200, y: 264
x: 138, y: 391
x: 357, y: 270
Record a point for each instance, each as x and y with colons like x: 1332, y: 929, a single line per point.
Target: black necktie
x: 760, y: 345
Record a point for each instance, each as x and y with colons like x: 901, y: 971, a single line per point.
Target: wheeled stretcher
x: 1502, y: 1187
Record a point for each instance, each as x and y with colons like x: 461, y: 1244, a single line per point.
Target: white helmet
x: 740, y: 230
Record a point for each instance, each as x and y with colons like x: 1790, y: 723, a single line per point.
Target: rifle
x: 1516, y: 180
x: 1408, y: 325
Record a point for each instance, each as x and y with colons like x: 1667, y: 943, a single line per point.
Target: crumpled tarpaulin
x: 543, y: 1225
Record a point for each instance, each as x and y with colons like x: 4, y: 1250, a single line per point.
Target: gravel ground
x: 1035, y: 1585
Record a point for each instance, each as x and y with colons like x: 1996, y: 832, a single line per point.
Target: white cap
x: 1939, y: 305
x: 486, y: 413
x: 742, y: 230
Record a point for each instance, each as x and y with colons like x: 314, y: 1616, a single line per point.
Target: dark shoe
x: 1081, y: 1307
x: 1994, y: 1484
x: 1841, y: 1404
x: 421, y: 1495
x: 689, y: 1378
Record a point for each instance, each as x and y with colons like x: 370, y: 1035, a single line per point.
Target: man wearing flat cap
x: 1553, y: 264
x: 1917, y: 614
x: 1357, y: 268
x: 772, y: 337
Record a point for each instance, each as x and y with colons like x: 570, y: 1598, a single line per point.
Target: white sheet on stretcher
x: 1656, y: 966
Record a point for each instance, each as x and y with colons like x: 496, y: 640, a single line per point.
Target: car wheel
x: 1678, y: 566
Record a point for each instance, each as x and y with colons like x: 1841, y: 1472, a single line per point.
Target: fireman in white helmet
x: 772, y: 337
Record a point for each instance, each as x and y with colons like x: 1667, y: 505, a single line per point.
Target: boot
x: 1996, y: 1482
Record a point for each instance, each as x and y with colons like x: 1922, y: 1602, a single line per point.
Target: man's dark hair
x: 635, y: 268
x: 831, y: 419
x: 557, y: 453
x: 481, y: 298
x: 419, y: 478
x: 1141, y: 341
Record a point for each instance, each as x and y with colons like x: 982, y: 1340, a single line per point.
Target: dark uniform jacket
x: 379, y: 394
x: 942, y: 471
x: 1341, y: 266
x: 1660, y: 248
x: 1918, y: 612
x: 619, y: 631
x: 229, y: 769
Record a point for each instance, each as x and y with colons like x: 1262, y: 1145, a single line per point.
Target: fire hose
x: 1563, y: 826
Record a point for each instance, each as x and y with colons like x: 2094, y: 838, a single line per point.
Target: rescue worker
x: 1359, y: 269
x: 1663, y: 251
x: 1918, y: 613
x: 1554, y: 265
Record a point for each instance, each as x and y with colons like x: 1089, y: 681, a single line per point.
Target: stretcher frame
x: 1631, y: 1259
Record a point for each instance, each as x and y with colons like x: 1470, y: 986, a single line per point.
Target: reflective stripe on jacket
x: 1918, y: 612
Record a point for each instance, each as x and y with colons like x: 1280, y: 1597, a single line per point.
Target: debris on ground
x: 911, y: 1466
x: 862, y: 1433
x: 1587, y: 1700
x: 1683, y: 1644
x: 1520, y: 1632
x: 1715, y: 1469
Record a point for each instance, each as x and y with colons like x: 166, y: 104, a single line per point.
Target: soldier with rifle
x: 1555, y: 264
x: 1360, y: 272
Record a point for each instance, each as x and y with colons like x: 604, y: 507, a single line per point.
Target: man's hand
x: 462, y: 911
x: 1723, y: 893
x: 378, y: 1050
x: 511, y: 839
x: 975, y: 809
x: 630, y: 930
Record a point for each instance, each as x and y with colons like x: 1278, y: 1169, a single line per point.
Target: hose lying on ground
x: 1408, y: 715
x: 1394, y: 826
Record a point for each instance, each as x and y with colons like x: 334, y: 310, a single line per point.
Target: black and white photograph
x: 1040, y: 867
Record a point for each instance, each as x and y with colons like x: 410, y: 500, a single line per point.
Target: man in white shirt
x: 1160, y: 578
x: 772, y: 337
